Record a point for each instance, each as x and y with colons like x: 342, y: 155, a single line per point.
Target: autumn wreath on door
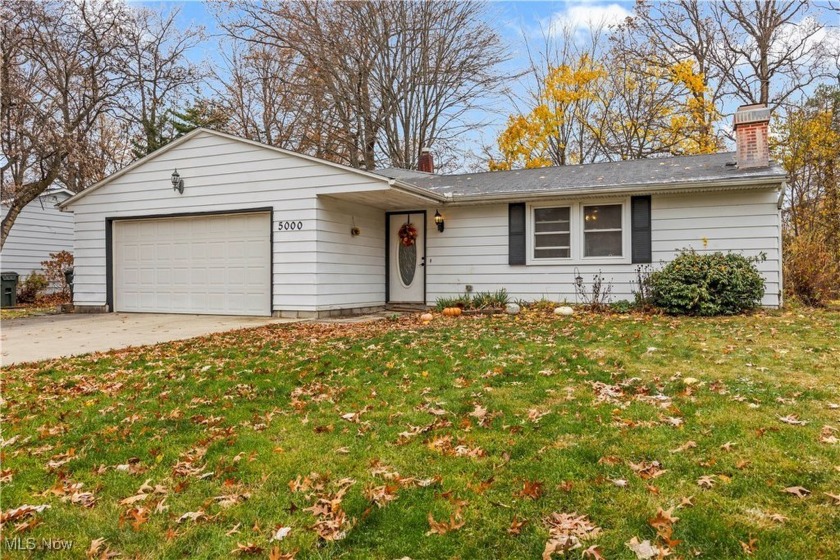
x: 408, y: 234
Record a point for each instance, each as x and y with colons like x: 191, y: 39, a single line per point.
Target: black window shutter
x: 516, y: 233
x: 640, y: 229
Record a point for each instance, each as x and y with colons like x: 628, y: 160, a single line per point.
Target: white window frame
x: 624, y: 237
x: 576, y: 231
x: 532, y: 212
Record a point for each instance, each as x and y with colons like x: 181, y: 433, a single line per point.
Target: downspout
x: 781, y: 245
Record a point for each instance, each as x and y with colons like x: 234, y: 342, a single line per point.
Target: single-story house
x: 39, y: 230
x: 217, y: 224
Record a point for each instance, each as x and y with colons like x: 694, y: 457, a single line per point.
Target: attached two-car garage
x: 211, y: 264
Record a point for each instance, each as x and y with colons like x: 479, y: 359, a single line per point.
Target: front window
x: 552, y: 233
x: 602, y: 231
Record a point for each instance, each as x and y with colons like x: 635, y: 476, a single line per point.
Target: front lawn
x: 471, y: 438
x: 28, y: 311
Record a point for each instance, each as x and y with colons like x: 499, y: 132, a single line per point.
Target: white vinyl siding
x: 351, y: 270
x: 746, y: 222
x: 220, y: 174
x: 474, y: 248
x: 40, y: 229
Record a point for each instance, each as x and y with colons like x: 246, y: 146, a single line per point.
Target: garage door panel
x: 217, y: 264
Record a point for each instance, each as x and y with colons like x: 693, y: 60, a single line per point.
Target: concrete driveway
x: 54, y: 336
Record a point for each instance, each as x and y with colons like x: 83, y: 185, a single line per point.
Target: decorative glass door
x: 407, y: 257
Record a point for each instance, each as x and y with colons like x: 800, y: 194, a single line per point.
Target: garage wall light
x: 439, y: 221
x: 177, y: 182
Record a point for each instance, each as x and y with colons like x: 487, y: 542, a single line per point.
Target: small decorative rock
x: 512, y: 309
x: 564, y: 310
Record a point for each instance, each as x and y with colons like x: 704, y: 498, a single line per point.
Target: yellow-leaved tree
x: 631, y: 107
x: 807, y: 145
x: 555, y: 131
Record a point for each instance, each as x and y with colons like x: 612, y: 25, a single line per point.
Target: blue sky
x: 514, y: 19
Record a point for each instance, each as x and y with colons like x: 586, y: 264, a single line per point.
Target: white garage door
x: 215, y: 265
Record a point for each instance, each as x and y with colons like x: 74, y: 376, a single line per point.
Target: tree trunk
x: 8, y: 222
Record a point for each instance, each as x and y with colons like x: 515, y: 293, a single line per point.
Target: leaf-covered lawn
x: 24, y: 312
x: 536, y: 436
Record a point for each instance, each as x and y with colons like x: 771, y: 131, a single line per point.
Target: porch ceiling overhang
x: 393, y: 196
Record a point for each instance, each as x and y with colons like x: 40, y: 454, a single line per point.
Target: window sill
x: 586, y: 261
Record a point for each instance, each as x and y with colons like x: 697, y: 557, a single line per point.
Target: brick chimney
x: 751, y: 122
x: 426, y: 163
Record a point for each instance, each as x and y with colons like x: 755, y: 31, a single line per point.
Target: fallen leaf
x: 193, y: 516
x: 443, y: 527
x: 686, y: 502
x: 706, y: 482
x: 516, y: 526
x: 532, y: 489
x: 275, y: 554
x: 797, y: 491
x: 685, y: 447
x: 247, y: 548
x: 644, y: 550
x: 593, y: 552
x: 280, y: 534
x: 566, y: 532
x: 648, y: 470
x: 749, y: 547
x: 792, y: 419
x: 827, y: 435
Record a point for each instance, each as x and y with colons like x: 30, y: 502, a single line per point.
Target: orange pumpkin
x: 451, y: 312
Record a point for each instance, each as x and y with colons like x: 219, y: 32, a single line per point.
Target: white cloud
x: 584, y: 16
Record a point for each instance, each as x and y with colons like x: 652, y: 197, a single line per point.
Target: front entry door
x: 407, y: 257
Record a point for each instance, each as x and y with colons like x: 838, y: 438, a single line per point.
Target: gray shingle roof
x: 680, y: 171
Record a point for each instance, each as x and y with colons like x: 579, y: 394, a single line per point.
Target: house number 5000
x: 290, y: 226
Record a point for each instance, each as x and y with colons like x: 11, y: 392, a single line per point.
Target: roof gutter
x: 640, y: 188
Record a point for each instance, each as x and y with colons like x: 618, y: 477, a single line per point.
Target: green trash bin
x: 9, y: 287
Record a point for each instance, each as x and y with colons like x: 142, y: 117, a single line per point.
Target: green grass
x: 267, y: 405
x: 24, y: 312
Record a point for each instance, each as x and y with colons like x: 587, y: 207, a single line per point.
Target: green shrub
x: 708, y: 284
x: 623, y: 306
x: 463, y: 301
x: 481, y: 300
x: 30, y: 289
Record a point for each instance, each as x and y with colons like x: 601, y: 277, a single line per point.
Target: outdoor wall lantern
x: 578, y: 278
x: 439, y: 221
x: 177, y: 182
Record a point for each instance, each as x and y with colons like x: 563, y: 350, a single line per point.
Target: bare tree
x: 257, y: 90
x: 161, y: 73
x: 383, y: 79
x: 682, y: 30
x: 437, y: 63
x: 767, y: 56
x: 61, y: 75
